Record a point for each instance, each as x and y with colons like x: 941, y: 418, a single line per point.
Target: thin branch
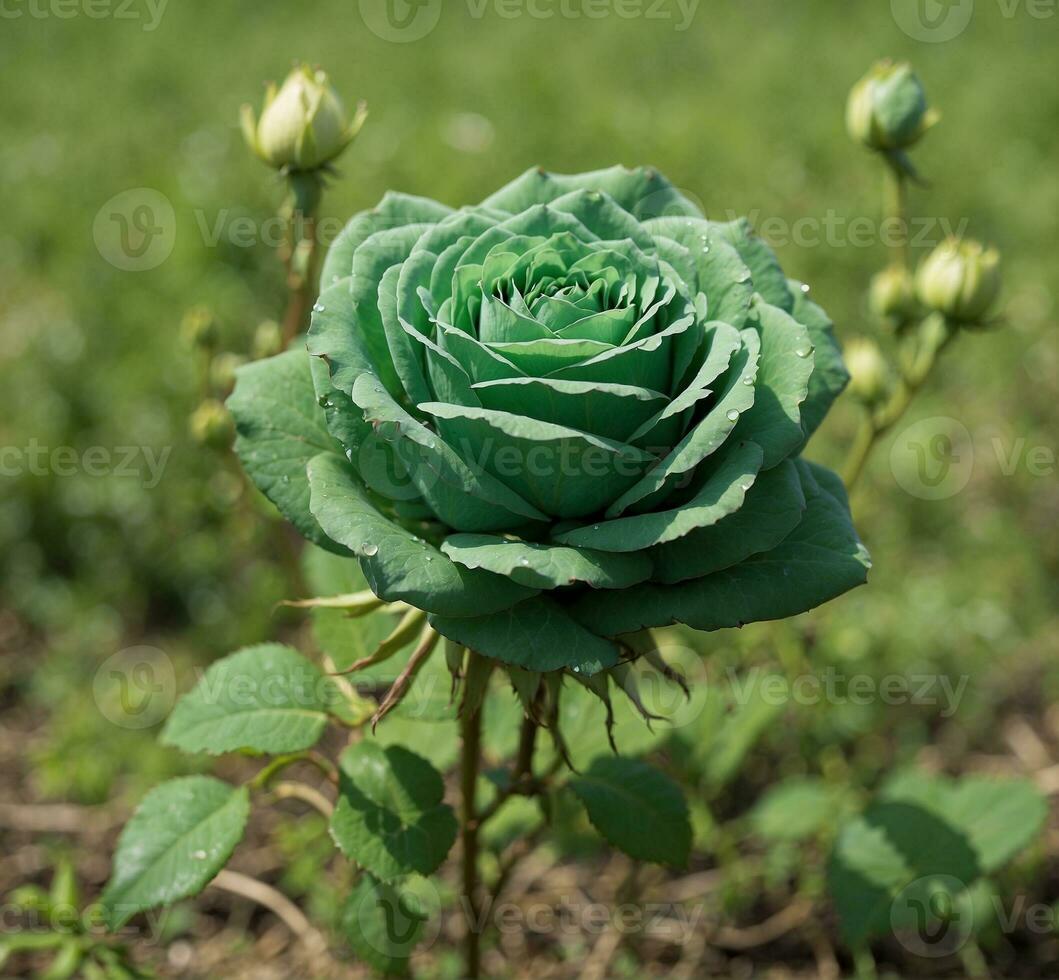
x: 282, y: 907
x: 290, y: 790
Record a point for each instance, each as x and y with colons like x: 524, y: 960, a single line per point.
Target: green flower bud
x: 268, y: 339
x: 960, y: 280
x: 887, y: 108
x: 199, y: 327
x: 223, y: 368
x: 211, y: 425
x: 892, y: 295
x: 869, y: 373
x: 303, y: 125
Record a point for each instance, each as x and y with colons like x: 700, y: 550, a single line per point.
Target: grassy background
x: 743, y: 110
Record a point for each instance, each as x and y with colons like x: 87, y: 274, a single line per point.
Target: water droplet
x: 369, y: 550
x: 349, y: 455
x: 199, y: 855
x: 595, y: 527
x: 286, y: 479
x: 747, y: 379
x: 733, y: 415
x: 576, y: 670
x: 806, y: 351
x: 805, y: 287
x: 430, y: 557
x: 433, y: 444
x: 523, y: 561
x: 745, y: 486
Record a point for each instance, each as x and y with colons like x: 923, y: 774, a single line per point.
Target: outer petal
x: 393, y: 211
x: 536, y: 635
x: 820, y: 559
x: 280, y: 428
x: 398, y: 565
x: 643, y: 192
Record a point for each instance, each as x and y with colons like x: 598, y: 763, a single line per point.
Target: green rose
x: 561, y: 416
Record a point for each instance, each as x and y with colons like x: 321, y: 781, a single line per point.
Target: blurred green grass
x: 744, y: 110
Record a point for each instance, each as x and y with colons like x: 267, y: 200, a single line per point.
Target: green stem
x: 897, y: 207
x: 300, y: 253
x: 878, y: 422
x: 470, y: 760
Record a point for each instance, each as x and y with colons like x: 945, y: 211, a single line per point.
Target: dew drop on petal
x: 369, y: 550
x: 747, y: 380
x: 805, y: 287
x: 199, y: 855
x: 595, y: 527
x: 733, y: 415
x: 523, y: 561
x: 430, y: 558
x: 805, y: 352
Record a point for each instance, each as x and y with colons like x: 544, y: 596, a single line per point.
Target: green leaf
x: 536, y: 635
x: 637, y: 808
x: 931, y: 828
x: 280, y: 427
x: 796, y: 809
x: 544, y: 566
x: 383, y: 923
x: 180, y: 836
x: 390, y: 818
x: 397, y: 564
x: 265, y: 698
x: 820, y: 559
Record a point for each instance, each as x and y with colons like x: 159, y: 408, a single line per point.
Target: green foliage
x: 926, y: 832
x: 390, y: 818
x: 180, y: 836
x: 637, y: 808
x: 383, y: 923
x: 267, y: 698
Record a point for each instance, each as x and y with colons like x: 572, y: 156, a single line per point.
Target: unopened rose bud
x: 303, y: 125
x: 199, y: 327
x: 887, y: 108
x: 960, y: 280
x: 268, y: 339
x: 211, y: 425
x: 892, y: 295
x: 869, y: 373
x: 223, y: 368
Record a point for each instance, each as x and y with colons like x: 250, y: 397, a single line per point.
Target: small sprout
x: 960, y: 280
